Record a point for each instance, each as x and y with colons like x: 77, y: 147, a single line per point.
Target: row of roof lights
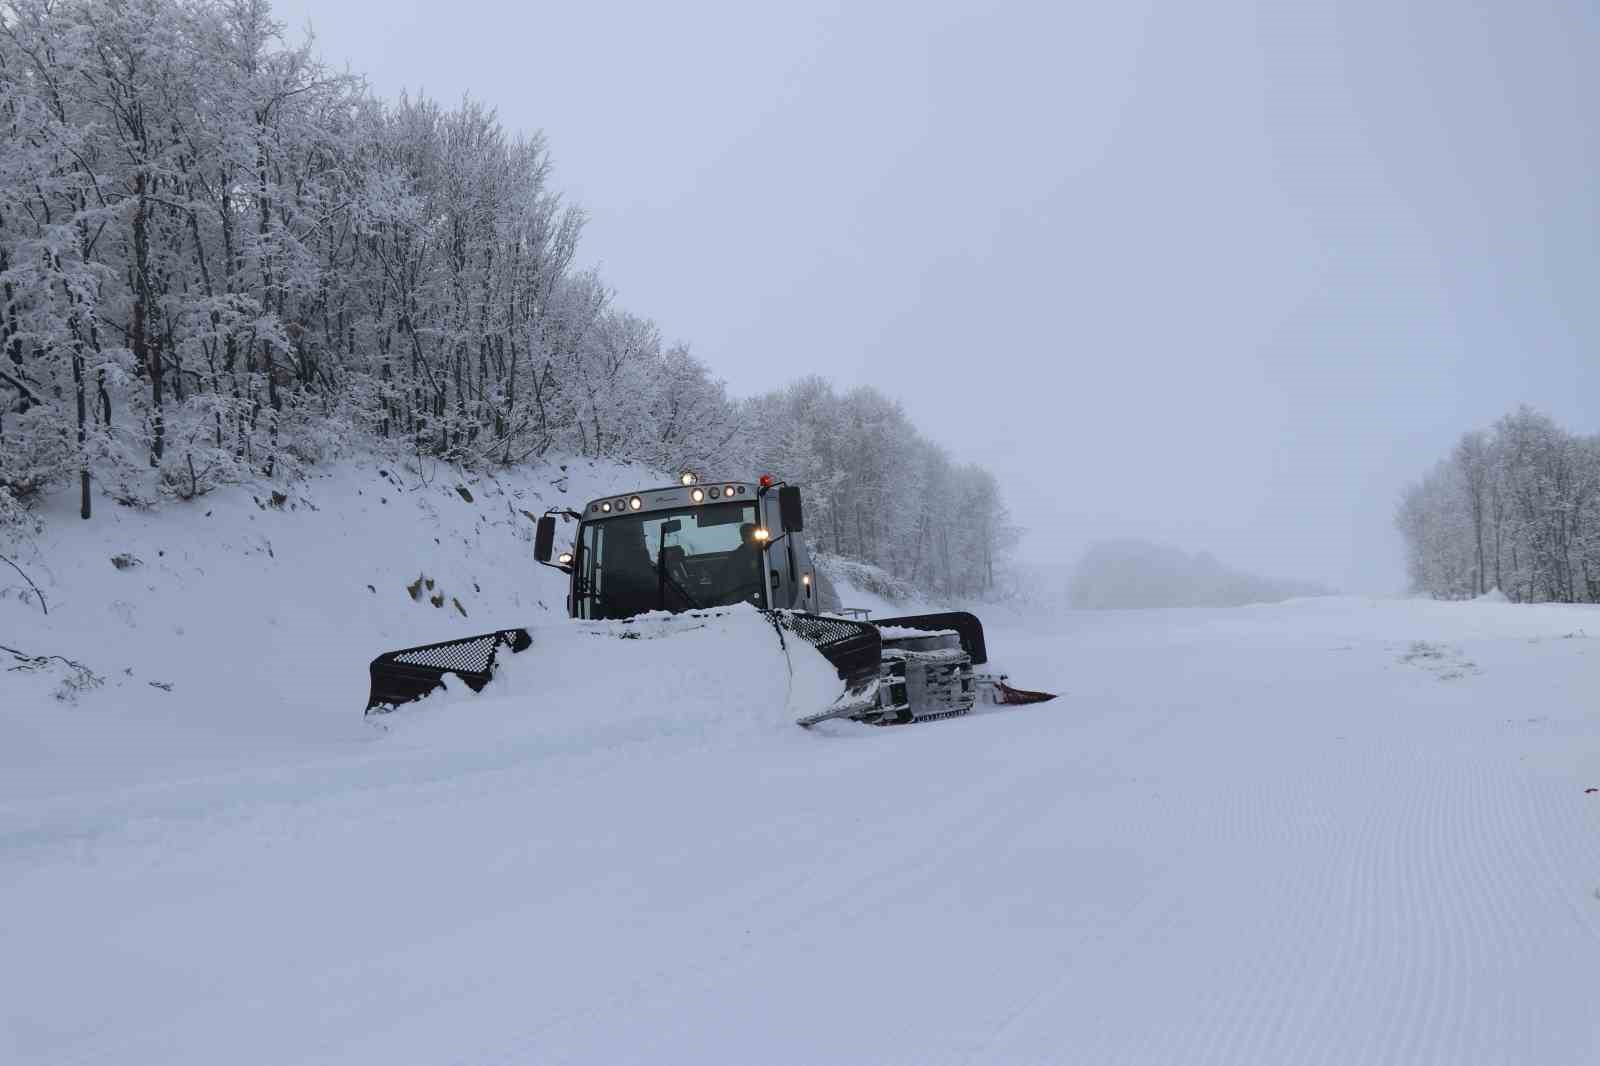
x: 689, y: 477
x: 697, y: 494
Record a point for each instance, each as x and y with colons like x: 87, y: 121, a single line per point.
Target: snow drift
x: 656, y: 675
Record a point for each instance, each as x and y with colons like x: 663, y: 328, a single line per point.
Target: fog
x: 1224, y: 276
x: 1135, y: 573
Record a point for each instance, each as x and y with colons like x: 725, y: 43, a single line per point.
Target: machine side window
x: 591, y: 578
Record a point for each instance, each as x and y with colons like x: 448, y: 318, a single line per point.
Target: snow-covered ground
x: 1327, y: 831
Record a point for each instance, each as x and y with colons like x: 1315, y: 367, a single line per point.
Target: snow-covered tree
x: 220, y: 259
x: 1517, y: 508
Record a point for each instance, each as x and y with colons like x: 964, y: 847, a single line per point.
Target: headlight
x: 687, y: 478
x: 762, y: 535
x: 635, y: 503
x: 698, y: 495
x: 715, y: 493
x: 565, y: 558
x: 606, y: 507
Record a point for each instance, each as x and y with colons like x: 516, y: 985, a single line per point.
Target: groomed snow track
x: 1270, y: 835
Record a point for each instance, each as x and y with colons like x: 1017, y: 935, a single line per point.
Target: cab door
x: 791, y: 582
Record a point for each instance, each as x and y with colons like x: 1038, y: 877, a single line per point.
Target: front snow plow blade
x: 896, y: 671
x: 412, y: 673
x: 398, y: 677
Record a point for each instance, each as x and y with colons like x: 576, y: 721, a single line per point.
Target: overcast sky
x: 1225, y: 275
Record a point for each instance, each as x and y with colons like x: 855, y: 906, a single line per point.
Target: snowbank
x: 246, y: 619
x: 599, y: 683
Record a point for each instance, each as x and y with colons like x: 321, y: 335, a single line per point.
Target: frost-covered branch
x: 43, y: 606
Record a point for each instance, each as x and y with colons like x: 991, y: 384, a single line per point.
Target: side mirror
x: 544, y: 539
x: 789, y: 510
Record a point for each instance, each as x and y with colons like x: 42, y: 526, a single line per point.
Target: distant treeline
x: 878, y: 490
x: 1129, y: 573
x: 1515, y: 507
x: 221, y: 259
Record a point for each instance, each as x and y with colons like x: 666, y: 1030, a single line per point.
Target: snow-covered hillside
x: 1324, y: 831
x: 260, y: 608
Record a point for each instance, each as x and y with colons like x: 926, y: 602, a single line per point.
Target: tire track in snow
x: 1417, y: 872
x: 873, y: 888
x: 971, y: 820
x: 1566, y: 885
x: 1159, y: 914
x: 1248, y: 902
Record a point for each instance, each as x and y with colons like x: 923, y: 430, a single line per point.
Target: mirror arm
x: 569, y: 515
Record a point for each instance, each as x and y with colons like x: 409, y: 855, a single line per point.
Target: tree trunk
x: 1482, y: 575
x: 79, y: 386
x: 147, y: 354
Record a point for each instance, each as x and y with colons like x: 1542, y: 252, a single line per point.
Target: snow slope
x: 261, y: 611
x: 1325, y: 831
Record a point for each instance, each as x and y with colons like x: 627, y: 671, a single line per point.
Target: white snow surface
x: 1337, y: 830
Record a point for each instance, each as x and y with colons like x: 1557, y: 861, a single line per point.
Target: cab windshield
x: 669, y: 561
